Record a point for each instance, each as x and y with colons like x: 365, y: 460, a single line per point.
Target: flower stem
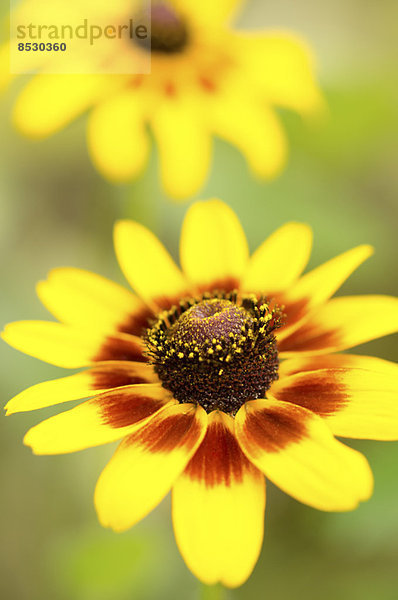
x: 213, y: 592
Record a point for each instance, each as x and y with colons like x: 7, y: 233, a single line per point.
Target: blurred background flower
x: 56, y: 210
x: 206, y: 79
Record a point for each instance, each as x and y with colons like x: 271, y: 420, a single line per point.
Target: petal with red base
x: 146, y: 464
x: 81, y: 385
x: 337, y: 361
x: 218, y: 508
x: 296, y: 450
x: 103, y: 419
x: 318, y: 285
x: 79, y: 297
x: 355, y: 402
x: 71, y: 347
x: 343, y: 323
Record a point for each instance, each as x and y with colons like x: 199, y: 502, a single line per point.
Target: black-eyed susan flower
x: 214, y: 376
x: 206, y: 80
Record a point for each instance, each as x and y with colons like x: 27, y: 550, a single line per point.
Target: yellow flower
x: 214, y: 376
x: 206, y: 80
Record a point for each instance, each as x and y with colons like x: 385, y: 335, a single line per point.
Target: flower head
x: 214, y: 376
x: 206, y: 80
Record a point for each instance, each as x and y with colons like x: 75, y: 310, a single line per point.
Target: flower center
x: 218, y: 350
x: 169, y: 33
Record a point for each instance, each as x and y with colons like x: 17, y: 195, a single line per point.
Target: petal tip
x: 25, y: 127
x: 41, y: 285
x: 123, y: 227
x: 5, y: 334
x: 369, y: 249
x: 27, y: 441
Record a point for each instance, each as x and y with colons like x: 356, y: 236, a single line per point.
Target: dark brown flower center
x: 169, y: 33
x: 218, y: 351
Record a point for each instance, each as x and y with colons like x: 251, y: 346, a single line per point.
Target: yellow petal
x: 64, y: 97
x: 146, y: 264
x: 317, y: 286
x: 103, y: 419
x: 146, y: 464
x: 321, y: 283
x: 355, y: 402
x: 80, y: 297
x: 69, y: 347
x: 81, y: 385
x: 254, y: 129
x: 337, y: 361
x: 218, y: 508
x: 184, y: 144
x: 295, y: 449
x: 208, y: 13
x: 117, y: 137
x: 279, y: 261
x: 281, y: 66
x: 342, y: 323
x: 213, y: 245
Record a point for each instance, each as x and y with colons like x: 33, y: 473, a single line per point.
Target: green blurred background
x: 342, y: 178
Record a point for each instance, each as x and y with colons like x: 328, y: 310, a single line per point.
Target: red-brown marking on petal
x: 166, y: 302
x: 115, y: 348
x: 136, y: 81
x: 137, y: 323
x: 170, y: 89
x: 219, y: 459
x: 323, y: 394
x: 207, y: 84
x: 294, y: 311
x: 169, y: 433
x: 221, y: 285
x: 344, y: 362
x: 309, y: 338
x: 273, y: 429
x: 123, y: 409
x: 117, y: 376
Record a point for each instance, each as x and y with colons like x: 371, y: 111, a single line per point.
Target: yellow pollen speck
x: 218, y: 347
x: 220, y: 372
x: 191, y: 355
x: 210, y: 351
x: 180, y: 355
